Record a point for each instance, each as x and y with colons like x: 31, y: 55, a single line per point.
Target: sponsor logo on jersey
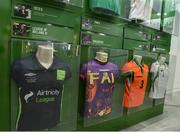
x: 46, y: 96
x: 42, y: 96
x: 30, y: 74
x: 30, y: 77
x: 48, y: 92
x: 107, y: 77
x: 61, y: 74
x: 28, y: 96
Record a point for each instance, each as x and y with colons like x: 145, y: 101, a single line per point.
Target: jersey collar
x: 101, y: 63
x: 137, y: 63
x: 37, y: 65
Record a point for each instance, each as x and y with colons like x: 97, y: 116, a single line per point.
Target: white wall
x: 173, y: 91
x: 174, y: 57
x: 175, y: 50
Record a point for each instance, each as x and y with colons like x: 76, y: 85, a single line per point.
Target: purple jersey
x: 100, y: 79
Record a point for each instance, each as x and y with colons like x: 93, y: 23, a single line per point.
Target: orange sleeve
x: 126, y: 68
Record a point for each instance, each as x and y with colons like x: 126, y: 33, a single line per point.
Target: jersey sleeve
x: 153, y: 68
x: 83, y: 73
x: 16, y: 73
x: 116, y: 72
x: 125, y: 69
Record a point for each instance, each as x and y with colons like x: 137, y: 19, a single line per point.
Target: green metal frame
x: 5, y: 7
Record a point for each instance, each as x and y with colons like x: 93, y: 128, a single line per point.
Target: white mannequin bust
x: 138, y: 58
x: 101, y: 56
x: 161, y: 60
x: 44, y: 55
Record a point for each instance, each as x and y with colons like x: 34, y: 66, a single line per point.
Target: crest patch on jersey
x: 61, y: 75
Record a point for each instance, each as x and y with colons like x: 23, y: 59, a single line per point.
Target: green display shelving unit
x: 64, y: 24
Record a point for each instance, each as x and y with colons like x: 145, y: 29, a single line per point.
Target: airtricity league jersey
x: 106, y: 6
x: 40, y: 92
x: 159, y: 80
x: 100, y: 79
x: 135, y: 90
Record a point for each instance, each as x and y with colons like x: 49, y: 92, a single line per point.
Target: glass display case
x: 103, y: 84
x: 138, y: 82
x: 160, y: 79
x: 44, y: 74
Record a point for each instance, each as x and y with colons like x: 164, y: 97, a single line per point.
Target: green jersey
x: 105, y: 6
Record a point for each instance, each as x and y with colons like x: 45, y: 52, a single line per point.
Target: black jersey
x: 40, y: 92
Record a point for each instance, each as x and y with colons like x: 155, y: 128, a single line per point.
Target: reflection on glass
x: 44, y: 74
x: 103, y: 87
x: 169, y: 13
x: 137, y: 82
x: 154, y: 19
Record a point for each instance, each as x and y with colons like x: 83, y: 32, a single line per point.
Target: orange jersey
x: 135, y: 90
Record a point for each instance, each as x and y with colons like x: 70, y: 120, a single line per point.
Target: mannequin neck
x: 101, y: 57
x: 138, y: 60
x: 161, y: 60
x: 44, y: 55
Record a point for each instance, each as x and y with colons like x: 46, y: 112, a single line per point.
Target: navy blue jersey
x: 40, y: 91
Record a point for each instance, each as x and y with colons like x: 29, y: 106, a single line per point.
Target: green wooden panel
x: 40, y: 31
x: 160, y: 48
x: 137, y: 33
x: 38, y: 12
x: 161, y: 43
x: 159, y: 37
x: 97, y: 25
x: 125, y: 121
x: 63, y: 12
x: 140, y: 116
x: 136, y: 45
x: 99, y: 39
x: 5, y: 8
x: 71, y: 5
